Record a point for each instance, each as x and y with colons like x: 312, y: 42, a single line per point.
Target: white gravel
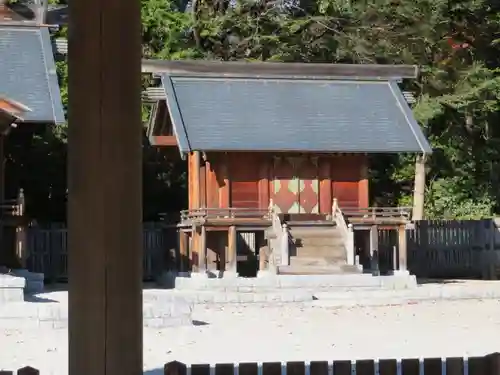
x: 288, y: 332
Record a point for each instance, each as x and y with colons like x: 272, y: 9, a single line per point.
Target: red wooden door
x: 295, y: 185
x: 285, y: 186
x: 307, y: 169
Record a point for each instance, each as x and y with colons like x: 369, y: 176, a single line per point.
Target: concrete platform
x: 159, y: 311
x: 11, y: 288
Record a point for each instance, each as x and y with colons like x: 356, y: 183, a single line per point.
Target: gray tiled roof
x: 28, y: 72
x: 231, y: 114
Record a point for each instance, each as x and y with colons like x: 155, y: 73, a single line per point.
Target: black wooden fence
x: 446, y: 248
x: 48, y: 250
x: 487, y: 365
x: 436, y: 249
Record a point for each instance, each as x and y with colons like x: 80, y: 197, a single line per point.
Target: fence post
x: 374, y: 250
x: 21, y: 248
x: 493, y: 364
x: 492, y: 259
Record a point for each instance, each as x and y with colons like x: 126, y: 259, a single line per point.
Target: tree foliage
x: 456, y: 44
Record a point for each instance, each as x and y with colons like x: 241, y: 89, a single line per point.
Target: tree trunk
x: 419, y: 190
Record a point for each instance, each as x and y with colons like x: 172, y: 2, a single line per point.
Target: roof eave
x: 425, y: 147
x: 176, y: 116
x: 267, y: 69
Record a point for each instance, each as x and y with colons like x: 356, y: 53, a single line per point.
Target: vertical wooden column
x: 2, y: 168
x: 403, y: 249
x: 183, y: 252
x: 419, y: 189
x: 2, y: 194
x: 224, y: 189
x: 194, y: 179
x: 231, y: 250
x: 105, y: 188
x: 202, y: 250
x: 264, y: 182
x: 202, y: 199
x: 363, y: 192
x: 325, y: 186
x: 374, y: 255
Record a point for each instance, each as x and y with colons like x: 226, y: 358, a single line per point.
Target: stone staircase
x: 317, y: 249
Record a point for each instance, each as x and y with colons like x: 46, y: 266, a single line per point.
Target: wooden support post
x: 284, y: 246
x: 196, y: 180
x: 403, y: 258
x: 232, y: 264
x: 374, y: 252
x: 202, y: 250
x: 194, y: 253
x: 183, y: 252
x: 105, y: 188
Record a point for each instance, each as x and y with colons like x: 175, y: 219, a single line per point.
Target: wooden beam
x: 299, y: 70
x: 105, y: 188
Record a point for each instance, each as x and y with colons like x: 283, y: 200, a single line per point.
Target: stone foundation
x: 302, y: 282
x: 159, y: 311
x: 11, y: 288
x: 34, y: 281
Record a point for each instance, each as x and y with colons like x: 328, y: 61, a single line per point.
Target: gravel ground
x: 244, y: 333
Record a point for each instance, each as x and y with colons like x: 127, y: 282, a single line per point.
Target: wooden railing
x: 378, y: 212
x: 224, y: 213
x: 13, y: 207
x: 346, y: 230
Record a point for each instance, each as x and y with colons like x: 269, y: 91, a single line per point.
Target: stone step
x: 316, y: 261
x: 318, y: 241
x: 309, y: 282
x: 339, y: 269
x: 320, y: 252
x: 316, y: 232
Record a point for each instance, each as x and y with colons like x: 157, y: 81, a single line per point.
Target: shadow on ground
x: 35, y: 299
x: 156, y: 371
x: 441, y: 281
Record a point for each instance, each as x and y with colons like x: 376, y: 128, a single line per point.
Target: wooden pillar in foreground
x: 403, y: 251
x: 104, y: 182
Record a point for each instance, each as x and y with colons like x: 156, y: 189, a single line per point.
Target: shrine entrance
x: 295, y: 185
